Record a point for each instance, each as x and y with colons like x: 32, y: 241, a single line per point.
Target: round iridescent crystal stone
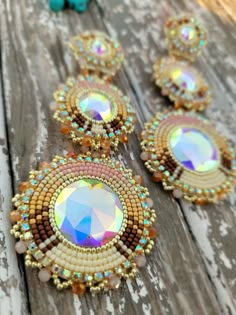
x: 88, y: 213
x: 96, y: 106
x: 188, y: 34
x: 99, y: 47
x: 183, y: 77
x: 193, y: 149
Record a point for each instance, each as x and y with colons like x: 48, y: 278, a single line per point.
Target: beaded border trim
x: 74, y: 266
x: 198, y: 187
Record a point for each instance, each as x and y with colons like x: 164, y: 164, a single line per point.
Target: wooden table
x: 192, y: 269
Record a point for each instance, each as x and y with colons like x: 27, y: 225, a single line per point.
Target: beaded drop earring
x: 84, y: 220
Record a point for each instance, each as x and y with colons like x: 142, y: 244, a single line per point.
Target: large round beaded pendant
x: 94, y: 113
x: 85, y: 223
x: 188, y: 155
x: 182, y: 83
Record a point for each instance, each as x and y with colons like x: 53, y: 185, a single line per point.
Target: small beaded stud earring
x: 90, y: 109
x: 175, y: 75
x: 84, y: 220
x: 184, y: 152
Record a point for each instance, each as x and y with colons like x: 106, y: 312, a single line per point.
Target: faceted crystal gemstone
x: 193, y: 149
x: 96, y: 106
x: 98, y: 47
x: 184, y: 77
x: 188, y: 33
x: 88, y: 213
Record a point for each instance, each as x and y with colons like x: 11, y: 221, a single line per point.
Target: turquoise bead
x: 56, y: 5
x: 78, y: 5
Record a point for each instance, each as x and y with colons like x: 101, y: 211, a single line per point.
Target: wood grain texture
x: 12, y: 290
x: 192, y: 267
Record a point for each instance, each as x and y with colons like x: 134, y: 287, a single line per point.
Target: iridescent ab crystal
x: 193, y: 149
x: 88, y: 213
x: 188, y: 33
x: 96, y: 106
x: 184, y: 77
x: 98, y: 46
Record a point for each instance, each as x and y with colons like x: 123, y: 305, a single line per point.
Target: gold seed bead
x: 17, y: 234
x: 28, y: 263
x: 34, y: 264
x: 56, y: 282
x: 59, y: 287
x: 65, y: 285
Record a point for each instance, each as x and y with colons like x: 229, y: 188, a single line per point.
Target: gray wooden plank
x: 34, y: 62
x: 139, y: 27
x: 12, y: 287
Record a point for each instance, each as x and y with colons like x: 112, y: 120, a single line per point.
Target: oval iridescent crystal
x: 184, y: 77
x: 188, y: 34
x: 98, y: 47
x: 96, y: 106
x: 193, y: 149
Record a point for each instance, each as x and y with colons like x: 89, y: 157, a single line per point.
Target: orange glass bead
x: 105, y: 152
x: 15, y: 216
x: 123, y: 138
x: 152, y: 232
x: 43, y: 165
x: 86, y: 141
x: 105, y: 144
x: 71, y: 155
x: 142, y: 135
x: 157, y: 177
x: 23, y: 186
x: 65, y: 129
x: 138, y: 179
x: 79, y: 288
x: 200, y: 202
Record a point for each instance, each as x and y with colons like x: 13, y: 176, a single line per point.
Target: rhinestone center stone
x: 98, y: 47
x: 183, y: 77
x: 88, y: 213
x: 96, y: 106
x: 193, y: 149
x: 188, y: 34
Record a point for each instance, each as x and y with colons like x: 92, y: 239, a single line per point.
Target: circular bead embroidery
x: 85, y: 221
x: 185, y: 36
x: 95, y: 113
x: 188, y: 156
x: 97, y: 52
x: 182, y: 83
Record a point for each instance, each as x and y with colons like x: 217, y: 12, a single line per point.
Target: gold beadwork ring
x: 188, y: 155
x: 85, y: 223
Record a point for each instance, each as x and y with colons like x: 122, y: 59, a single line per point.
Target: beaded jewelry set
x: 86, y: 221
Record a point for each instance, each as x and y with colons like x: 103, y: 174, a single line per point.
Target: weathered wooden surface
x: 192, y: 268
